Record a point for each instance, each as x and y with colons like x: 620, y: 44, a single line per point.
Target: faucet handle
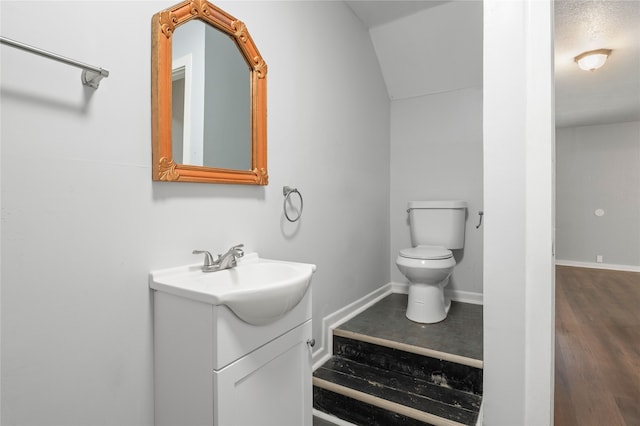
x: 208, y: 259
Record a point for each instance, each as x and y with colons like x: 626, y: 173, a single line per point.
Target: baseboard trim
x: 334, y: 420
x: 334, y: 320
x: 593, y: 265
x: 455, y: 295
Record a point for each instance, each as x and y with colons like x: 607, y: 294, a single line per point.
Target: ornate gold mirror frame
x: 164, y: 168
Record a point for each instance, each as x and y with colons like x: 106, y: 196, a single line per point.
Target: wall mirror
x: 208, y: 97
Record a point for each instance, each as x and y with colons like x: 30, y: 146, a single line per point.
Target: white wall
x: 82, y: 223
x: 436, y: 153
x: 598, y: 167
x: 518, y: 198
x: 432, y: 66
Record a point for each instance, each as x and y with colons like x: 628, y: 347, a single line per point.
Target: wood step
x: 359, y: 409
x: 406, y: 395
x: 437, y: 371
x: 376, y: 377
x: 458, y: 338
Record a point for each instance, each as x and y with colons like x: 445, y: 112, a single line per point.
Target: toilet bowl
x: 436, y: 228
x: 428, y: 269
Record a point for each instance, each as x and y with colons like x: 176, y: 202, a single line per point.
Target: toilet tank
x: 437, y: 223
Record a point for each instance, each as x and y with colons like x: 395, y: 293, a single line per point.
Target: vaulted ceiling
x: 610, y: 94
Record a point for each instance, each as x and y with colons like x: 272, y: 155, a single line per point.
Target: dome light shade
x: 592, y: 60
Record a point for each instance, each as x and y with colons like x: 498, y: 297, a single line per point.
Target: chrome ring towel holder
x: 287, y: 191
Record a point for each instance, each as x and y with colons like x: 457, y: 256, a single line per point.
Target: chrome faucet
x: 223, y: 261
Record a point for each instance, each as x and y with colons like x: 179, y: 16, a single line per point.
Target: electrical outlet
x: 599, y: 258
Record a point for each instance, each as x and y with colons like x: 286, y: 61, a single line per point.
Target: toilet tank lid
x: 442, y: 204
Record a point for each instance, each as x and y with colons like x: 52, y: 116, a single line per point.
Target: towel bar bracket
x: 92, y: 79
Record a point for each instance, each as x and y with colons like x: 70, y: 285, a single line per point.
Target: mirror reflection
x: 211, y: 108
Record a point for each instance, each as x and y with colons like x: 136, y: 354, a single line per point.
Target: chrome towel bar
x: 91, y: 75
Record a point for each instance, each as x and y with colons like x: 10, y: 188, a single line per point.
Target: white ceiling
x: 610, y: 94
x: 377, y: 12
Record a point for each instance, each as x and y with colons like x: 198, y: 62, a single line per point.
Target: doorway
x: 597, y: 210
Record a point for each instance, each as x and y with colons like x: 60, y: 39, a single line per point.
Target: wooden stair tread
x: 364, y: 412
x: 442, y: 372
x: 396, y: 373
x: 458, y: 337
x: 414, y: 393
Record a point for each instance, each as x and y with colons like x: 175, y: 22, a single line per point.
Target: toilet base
x: 427, y: 303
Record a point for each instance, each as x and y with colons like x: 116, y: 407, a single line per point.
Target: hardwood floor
x: 597, y: 379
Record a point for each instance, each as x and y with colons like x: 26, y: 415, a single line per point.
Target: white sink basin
x: 259, y: 291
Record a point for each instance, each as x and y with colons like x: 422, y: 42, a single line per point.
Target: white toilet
x: 437, y: 227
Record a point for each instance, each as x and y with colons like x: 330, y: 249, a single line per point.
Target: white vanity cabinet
x: 211, y: 368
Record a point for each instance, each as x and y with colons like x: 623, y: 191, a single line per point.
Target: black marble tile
x: 440, y: 372
x: 459, y: 334
x: 408, y: 391
x: 358, y: 413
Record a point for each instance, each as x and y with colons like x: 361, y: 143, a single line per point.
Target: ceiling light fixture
x: 593, y: 59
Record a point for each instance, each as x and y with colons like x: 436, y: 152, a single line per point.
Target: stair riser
x: 400, y: 388
x: 357, y: 412
x: 436, y: 371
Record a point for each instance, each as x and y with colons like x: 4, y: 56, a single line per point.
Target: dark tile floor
x: 459, y: 334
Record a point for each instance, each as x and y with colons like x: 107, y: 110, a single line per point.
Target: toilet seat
x: 426, y: 253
